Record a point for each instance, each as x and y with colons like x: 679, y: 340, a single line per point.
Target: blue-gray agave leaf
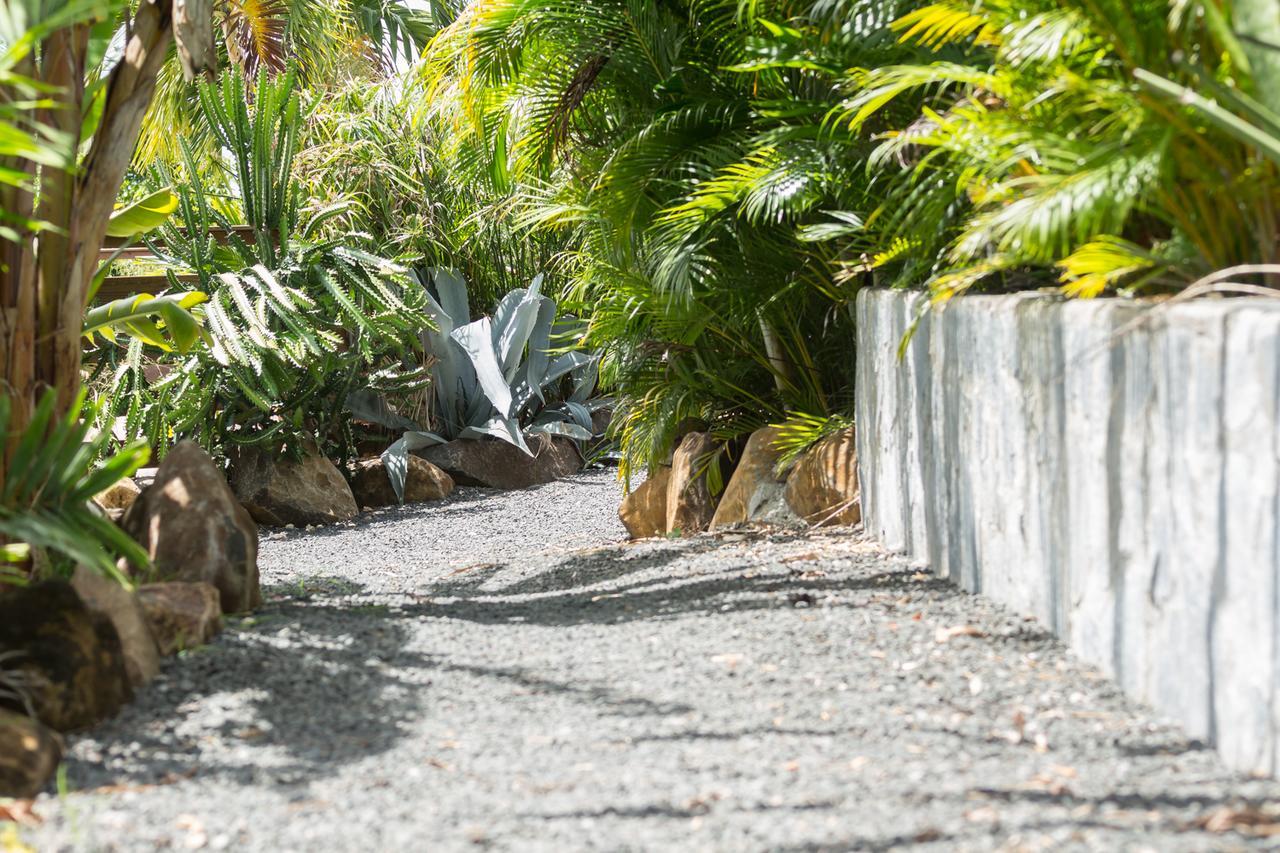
x: 506, y: 429
x: 476, y: 339
x: 396, y: 457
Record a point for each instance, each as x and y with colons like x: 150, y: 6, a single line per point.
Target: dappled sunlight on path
x: 525, y: 689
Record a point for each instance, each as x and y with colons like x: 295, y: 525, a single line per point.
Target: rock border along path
x: 496, y: 672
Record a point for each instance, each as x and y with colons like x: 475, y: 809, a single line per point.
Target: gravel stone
x: 498, y: 671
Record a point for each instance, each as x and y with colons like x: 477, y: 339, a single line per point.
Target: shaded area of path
x: 494, y: 674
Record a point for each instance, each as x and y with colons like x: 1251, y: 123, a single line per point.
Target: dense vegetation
x: 705, y: 184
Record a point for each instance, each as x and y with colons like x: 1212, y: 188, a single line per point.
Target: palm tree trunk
x: 44, y: 282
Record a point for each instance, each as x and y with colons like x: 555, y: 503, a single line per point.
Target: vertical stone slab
x: 1041, y: 377
x: 889, y: 419
x: 866, y: 400
x: 1092, y: 365
x: 1243, y: 631
x: 1188, y: 577
x: 1136, y: 449
x: 914, y: 393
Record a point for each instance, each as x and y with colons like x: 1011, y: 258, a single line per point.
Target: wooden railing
x: 120, y: 286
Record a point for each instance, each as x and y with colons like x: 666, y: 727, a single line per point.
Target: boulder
x: 310, y: 490
x: 194, y: 529
x: 29, y: 755
x: 120, y: 606
x: 823, y: 485
x: 644, y: 511
x: 499, y: 465
x: 601, y: 419
x: 67, y: 658
x: 690, y: 506
x: 755, y: 492
x: 181, y: 615
x: 423, y: 482
x: 119, y: 496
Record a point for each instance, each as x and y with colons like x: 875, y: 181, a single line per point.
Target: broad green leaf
x: 143, y: 215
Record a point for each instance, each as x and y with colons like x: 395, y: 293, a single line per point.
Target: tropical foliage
x: 45, y: 495
x: 682, y: 150
x: 726, y: 173
x: 295, y: 320
x: 1071, y: 136
x: 703, y: 185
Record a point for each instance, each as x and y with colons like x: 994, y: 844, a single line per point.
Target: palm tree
x: 1065, y: 141
x: 331, y: 44
x: 682, y: 146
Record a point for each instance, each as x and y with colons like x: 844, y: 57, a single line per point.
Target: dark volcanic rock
x: 68, y: 657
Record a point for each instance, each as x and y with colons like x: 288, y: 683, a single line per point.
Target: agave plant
x: 495, y: 377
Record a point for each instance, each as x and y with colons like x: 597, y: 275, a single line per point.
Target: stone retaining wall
x: 1111, y: 470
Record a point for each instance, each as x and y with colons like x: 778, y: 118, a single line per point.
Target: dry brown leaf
x: 20, y: 812
x: 944, y: 635
x: 1249, y: 820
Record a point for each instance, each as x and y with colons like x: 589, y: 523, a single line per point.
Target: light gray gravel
x: 491, y: 673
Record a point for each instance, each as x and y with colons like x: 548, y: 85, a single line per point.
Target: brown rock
x: 823, y: 486
x: 119, y: 496
x: 423, y: 482
x: 29, y: 755
x: 755, y: 491
x: 120, y: 606
x: 277, y: 492
x: 67, y: 658
x: 644, y: 511
x: 690, y: 506
x: 194, y: 529
x: 499, y: 465
x: 181, y: 615
x: 601, y: 420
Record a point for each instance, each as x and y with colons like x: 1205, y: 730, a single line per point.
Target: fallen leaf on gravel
x: 435, y: 762
x: 921, y: 576
x: 19, y: 811
x: 925, y: 836
x: 1249, y: 820
x: 982, y: 814
x: 700, y: 804
x: 196, y: 835
x: 729, y: 660
x: 944, y: 635
x: 796, y: 558
x: 1051, y: 785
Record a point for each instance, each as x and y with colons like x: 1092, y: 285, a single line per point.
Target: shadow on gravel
x: 278, y: 699
x: 326, y: 675
x: 584, y: 588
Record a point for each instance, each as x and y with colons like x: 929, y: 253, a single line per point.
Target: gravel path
x: 493, y: 673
